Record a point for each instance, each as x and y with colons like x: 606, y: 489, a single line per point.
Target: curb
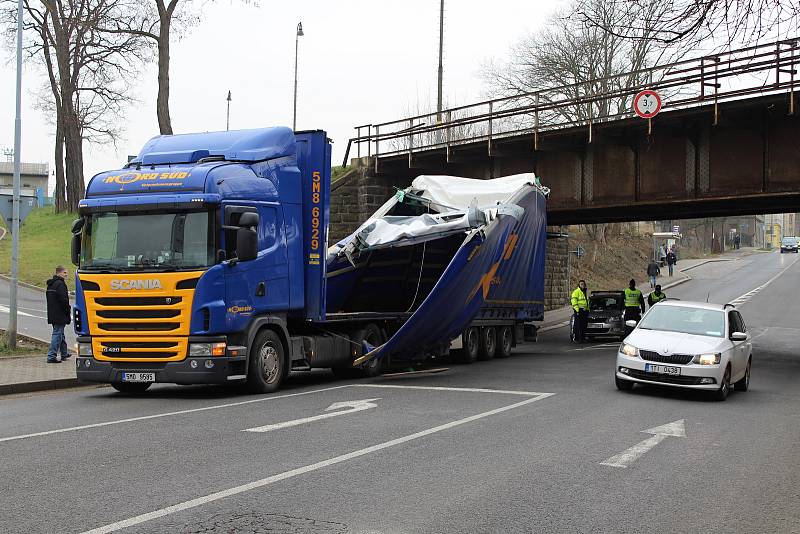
x: 41, y: 385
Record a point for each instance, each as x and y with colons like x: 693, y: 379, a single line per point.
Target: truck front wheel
x: 267, y: 365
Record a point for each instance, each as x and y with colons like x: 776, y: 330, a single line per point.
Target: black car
x: 605, y: 315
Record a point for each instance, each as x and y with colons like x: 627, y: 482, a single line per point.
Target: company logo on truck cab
x: 135, y: 284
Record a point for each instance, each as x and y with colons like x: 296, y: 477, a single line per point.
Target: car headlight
x: 206, y: 349
x: 629, y: 350
x: 708, y: 359
x: 84, y: 349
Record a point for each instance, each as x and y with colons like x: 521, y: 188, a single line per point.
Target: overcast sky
x: 360, y: 61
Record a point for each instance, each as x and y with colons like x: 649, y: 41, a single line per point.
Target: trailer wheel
x: 505, y: 341
x: 470, y: 345
x: 488, y: 343
x: 372, y: 335
x: 267, y: 365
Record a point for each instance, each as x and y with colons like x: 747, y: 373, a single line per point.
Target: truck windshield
x: 148, y: 241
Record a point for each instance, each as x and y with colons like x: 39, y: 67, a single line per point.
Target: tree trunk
x: 162, y: 103
x: 60, y: 191
x: 74, y: 159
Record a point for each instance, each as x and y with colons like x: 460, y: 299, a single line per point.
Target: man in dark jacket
x: 58, y: 315
x: 653, y: 271
x: 672, y: 259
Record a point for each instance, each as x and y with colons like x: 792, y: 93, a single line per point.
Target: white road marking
x: 600, y: 346
x: 354, y: 406
x: 660, y: 433
x: 466, y: 390
x: 6, y: 309
x: 747, y: 296
x: 193, y: 503
x: 166, y: 414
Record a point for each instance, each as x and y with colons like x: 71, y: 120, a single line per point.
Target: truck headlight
x: 84, y: 349
x: 708, y: 359
x: 629, y: 350
x: 207, y: 349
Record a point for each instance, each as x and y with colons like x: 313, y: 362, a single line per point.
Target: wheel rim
x: 472, y: 341
x: 373, y: 339
x: 491, y: 341
x: 747, y: 375
x: 269, y: 362
x: 506, y: 340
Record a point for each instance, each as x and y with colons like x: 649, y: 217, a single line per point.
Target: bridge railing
x: 755, y: 70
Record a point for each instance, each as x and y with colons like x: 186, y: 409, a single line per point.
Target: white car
x: 691, y: 345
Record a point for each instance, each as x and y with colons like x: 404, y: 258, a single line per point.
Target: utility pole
x: 441, y: 47
x: 297, y: 37
x: 228, y: 119
x: 12, y: 317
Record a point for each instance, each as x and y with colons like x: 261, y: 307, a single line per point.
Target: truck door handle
x: 261, y: 290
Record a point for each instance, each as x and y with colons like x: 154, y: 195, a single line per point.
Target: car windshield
x: 789, y: 240
x: 604, y: 303
x: 147, y: 241
x: 699, y: 321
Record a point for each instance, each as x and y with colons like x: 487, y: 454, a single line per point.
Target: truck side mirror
x: 248, y: 219
x: 76, y: 249
x: 246, y: 244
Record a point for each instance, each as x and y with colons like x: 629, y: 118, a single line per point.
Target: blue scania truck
x: 205, y: 260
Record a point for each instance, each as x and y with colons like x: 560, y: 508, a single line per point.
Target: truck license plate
x: 138, y: 377
x: 662, y: 369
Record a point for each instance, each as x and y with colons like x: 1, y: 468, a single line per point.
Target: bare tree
x: 570, y: 60
x: 86, y: 71
x: 692, y: 22
x: 573, y: 61
x: 157, y: 21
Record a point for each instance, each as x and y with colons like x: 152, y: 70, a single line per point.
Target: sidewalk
x: 560, y: 317
x: 33, y: 373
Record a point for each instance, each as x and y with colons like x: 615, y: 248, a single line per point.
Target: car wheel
x: 505, y: 341
x: 744, y: 383
x: 488, y: 343
x: 722, y: 393
x: 622, y: 384
x: 131, y: 387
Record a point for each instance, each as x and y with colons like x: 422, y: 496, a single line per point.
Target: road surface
x: 513, y: 445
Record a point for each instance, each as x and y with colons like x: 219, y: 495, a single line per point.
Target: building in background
x: 34, y: 180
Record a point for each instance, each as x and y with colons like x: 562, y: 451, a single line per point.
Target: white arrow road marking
x: 628, y: 456
x: 354, y: 406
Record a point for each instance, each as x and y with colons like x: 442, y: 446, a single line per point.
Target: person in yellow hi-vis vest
x: 580, y: 307
x: 634, y: 305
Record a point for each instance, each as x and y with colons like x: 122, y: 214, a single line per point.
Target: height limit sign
x: 647, y: 104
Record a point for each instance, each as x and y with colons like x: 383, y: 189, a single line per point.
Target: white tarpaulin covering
x: 459, y: 193
x: 457, y: 205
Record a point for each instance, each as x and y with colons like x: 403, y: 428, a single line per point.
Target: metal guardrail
x: 755, y: 70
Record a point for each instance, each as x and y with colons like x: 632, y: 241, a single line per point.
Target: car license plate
x: 662, y: 369
x: 138, y: 377
x: 597, y: 325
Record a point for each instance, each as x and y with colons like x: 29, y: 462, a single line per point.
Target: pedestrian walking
x: 580, y: 307
x: 58, y: 315
x: 672, y: 260
x: 662, y: 252
x: 656, y: 296
x: 653, y: 270
x: 634, y: 305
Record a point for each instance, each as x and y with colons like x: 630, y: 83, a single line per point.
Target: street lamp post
x: 228, y: 118
x: 440, y: 72
x: 296, y: 46
x: 12, y: 315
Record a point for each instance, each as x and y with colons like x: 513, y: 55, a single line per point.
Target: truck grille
x: 140, y: 324
x: 652, y: 356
